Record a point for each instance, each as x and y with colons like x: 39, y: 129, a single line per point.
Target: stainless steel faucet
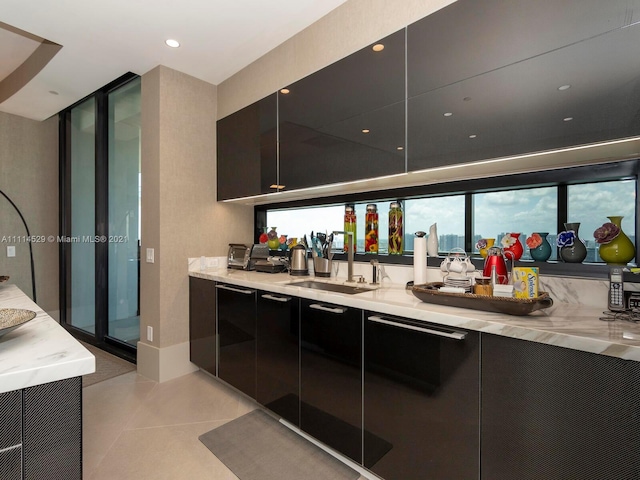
x: 349, y: 236
x: 375, y: 278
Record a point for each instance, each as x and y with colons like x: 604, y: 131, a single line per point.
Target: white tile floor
x: 134, y: 428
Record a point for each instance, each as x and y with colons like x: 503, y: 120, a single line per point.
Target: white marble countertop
x: 40, y: 351
x: 565, y: 325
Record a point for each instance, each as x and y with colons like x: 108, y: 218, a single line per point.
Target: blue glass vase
x: 543, y: 251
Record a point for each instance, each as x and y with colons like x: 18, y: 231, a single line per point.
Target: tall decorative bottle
x: 350, y: 225
x: 371, y: 229
x: 396, y: 229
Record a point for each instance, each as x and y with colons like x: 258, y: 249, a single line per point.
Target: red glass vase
x: 515, y: 249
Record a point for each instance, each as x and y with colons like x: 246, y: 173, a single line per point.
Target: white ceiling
x: 102, y: 40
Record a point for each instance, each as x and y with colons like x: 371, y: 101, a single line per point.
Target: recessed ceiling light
x: 564, y: 87
x: 53, y: 92
x: 568, y: 119
x: 378, y: 47
x: 284, y: 91
x: 473, y: 136
x: 365, y: 130
x: 172, y: 43
x: 448, y: 114
x: 400, y: 147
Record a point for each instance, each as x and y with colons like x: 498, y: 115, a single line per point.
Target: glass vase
x: 620, y: 250
x: 516, y: 249
x: 577, y: 252
x: 483, y: 251
x: 542, y: 252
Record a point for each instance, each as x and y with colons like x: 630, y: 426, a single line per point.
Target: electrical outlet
x: 149, y: 334
x: 11, y: 251
x: 150, y: 255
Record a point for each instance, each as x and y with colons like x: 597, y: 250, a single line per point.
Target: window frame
x: 560, y: 178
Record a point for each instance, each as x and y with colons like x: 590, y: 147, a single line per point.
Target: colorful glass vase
x: 273, y: 242
x: 620, y: 250
x: 542, y: 252
x: 577, y: 252
x: 516, y: 249
x: 483, y: 250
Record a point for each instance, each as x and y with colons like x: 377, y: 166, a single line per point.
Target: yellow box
x: 525, y: 282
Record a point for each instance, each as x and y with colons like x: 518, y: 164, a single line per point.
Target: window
x: 522, y: 211
x: 591, y: 204
x: 446, y: 212
x: 485, y: 208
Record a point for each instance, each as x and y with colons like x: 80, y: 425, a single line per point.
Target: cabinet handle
x: 317, y: 306
x: 448, y: 333
x: 238, y: 290
x: 266, y: 296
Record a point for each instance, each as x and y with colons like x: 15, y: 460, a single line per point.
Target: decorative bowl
x: 12, y: 318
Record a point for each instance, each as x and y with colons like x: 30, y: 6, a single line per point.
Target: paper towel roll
x: 419, y: 260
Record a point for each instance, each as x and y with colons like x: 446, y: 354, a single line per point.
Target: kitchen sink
x: 331, y: 287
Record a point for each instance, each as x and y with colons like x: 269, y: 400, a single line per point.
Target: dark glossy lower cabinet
x: 41, y: 436
x: 421, y: 398
x: 278, y: 355
x: 331, y: 375
x: 555, y: 413
x: 237, y: 337
x: 202, y: 323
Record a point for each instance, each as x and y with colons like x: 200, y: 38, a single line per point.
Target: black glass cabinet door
x: 247, y: 150
x: 202, y: 323
x: 495, y: 86
x: 237, y: 337
x: 346, y: 121
x: 331, y: 375
x: 421, y: 400
x: 278, y: 354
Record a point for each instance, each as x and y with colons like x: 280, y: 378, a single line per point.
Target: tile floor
x: 135, y: 428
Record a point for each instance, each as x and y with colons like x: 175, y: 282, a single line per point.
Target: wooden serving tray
x: 429, y: 293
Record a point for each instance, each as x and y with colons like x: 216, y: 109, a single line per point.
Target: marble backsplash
x: 574, y: 290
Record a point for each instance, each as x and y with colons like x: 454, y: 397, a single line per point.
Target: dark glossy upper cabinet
x: 500, y: 70
x: 247, y: 150
x: 346, y: 121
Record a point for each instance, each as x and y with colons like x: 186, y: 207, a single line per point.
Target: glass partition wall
x: 100, y: 216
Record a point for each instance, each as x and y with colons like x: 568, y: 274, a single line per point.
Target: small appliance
x: 631, y: 288
x: 298, y: 261
x: 239, y: 255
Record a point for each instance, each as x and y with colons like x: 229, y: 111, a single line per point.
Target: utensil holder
x: 321, y: 266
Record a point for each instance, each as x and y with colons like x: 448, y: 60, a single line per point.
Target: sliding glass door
x: 100, y: 215
x: 124, y: 213
x: 83, y: 216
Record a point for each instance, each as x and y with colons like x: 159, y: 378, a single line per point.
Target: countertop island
x: 41, y: 368
x: 40, y: 351
x: 565, y: 325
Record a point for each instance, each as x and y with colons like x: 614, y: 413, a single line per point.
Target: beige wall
x: 29, y: 176
x: 348, y: 28
x: 180, y: 215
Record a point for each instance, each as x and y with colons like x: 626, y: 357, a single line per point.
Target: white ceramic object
x: 432, y: 242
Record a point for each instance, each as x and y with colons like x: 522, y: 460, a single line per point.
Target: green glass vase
x: 620, y: 250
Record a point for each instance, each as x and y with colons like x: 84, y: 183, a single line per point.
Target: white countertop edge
x: 40, y: 351
x: 563, y: 325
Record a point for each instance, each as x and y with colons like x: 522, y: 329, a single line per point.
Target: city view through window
x: 494, y: 215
